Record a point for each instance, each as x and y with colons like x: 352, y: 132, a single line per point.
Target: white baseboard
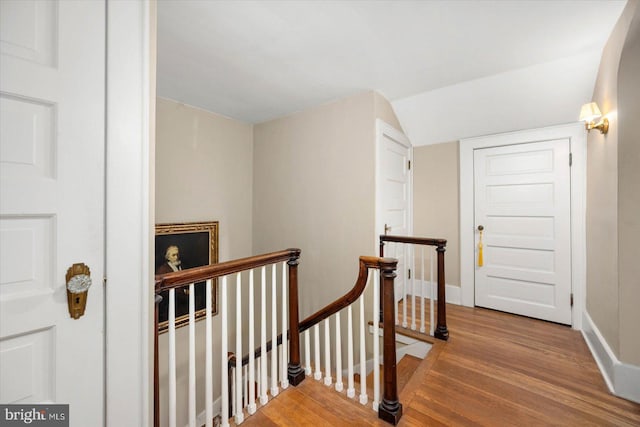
x: 452, y: 292
x: 622, y: 379
x: 201, y: 419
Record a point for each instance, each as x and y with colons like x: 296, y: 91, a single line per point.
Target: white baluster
x: 192, y: 356
x: 318, y: 374
x: 251, y: 407
x: 274, y: 335
x: 284, y: 382
x: 208, y: 368
x: 245, y: 390
x: 422, y: 319
x: 404, y: 286
x: 376, y: 340
x: 307, y: 353
x: 327, y: 352
x: 263, y: 337
x: 224, y: 379
x: 234, y: 396
x: 396, y: 310
x: 351, y: 391
x: 339, y: 385
x: 431, y: 314
x: 172, y: 357
x: 239, y: 413
x: 363, y: 357
x: 412, y: 251
x: 259, y: 375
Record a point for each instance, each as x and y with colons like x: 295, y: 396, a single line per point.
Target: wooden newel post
x: 390, y: 409
x: 156, y: 368
x: 295, y: 373
x: 380, y: 319
x: 441, y: 331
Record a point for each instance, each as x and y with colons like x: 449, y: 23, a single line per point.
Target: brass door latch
x: 78, y: 283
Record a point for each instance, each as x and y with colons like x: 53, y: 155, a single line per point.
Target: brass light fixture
x: 589, y: 113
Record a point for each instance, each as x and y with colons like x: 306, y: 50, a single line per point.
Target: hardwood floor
x: 496, y: 370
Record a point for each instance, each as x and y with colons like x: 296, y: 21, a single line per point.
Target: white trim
x: 452, y: 292
x: 622, y: 379
x: 576, y: 133
x: 201, y: 418
x: 384, y: 128
x: 129, y: 214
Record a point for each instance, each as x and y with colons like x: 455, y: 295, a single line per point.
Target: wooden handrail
x: 177, y: 279
x: 352, y: 296
x: 349, y: 298
x: 441, y: 331
x: 415, y: 240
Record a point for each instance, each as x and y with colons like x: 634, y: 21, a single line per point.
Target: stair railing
x: 389, y: 407
x: 246, y: 389
x: 405, y: 249
x: 283, y: 372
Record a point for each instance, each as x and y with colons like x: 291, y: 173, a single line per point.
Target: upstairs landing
x: 497, y: 369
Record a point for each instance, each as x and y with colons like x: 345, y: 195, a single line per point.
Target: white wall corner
x: 622, y: 379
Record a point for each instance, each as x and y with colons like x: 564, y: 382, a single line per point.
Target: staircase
x: 276, y: 360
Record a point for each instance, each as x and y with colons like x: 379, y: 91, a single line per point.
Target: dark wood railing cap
x: 199, y: 274
x: 415, y: 240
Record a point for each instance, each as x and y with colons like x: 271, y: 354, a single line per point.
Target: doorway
x: 394, y: 192
x: 522, y: 290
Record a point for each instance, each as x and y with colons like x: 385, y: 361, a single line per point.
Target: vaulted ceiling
x: 258, y: 60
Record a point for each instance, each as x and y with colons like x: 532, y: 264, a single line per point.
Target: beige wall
x: 314, y: 189
x: 436, y: 201
x: 610, y: 179
x: 204, y: 170
x: 384, y: 111
x: 629, y: 193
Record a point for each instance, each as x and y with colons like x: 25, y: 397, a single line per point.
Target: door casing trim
x: 576, y: 134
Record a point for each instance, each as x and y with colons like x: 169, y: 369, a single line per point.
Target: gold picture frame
x: 196, y: 245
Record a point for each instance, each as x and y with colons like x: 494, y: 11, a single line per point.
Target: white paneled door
x: 52, y: 108
x: 522, y: 200
x: 393, y: 194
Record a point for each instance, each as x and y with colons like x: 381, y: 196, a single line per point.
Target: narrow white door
x: 52, y: 108
x: 522, y: 199
x: 393, y: 193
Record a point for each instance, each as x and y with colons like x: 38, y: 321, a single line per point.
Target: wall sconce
x: 589, y: 113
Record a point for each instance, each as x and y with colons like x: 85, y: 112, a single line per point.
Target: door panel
x: 52, y: 190
x: 393, y: 195
x: 522, y: 199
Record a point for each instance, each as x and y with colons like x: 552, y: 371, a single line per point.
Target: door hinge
x: 572, y: 300
x: 409, y: 164
x: 409, y: 274
x: 570, y: 159
x: 104, y: 281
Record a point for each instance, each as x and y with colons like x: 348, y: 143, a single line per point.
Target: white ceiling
x: 258, y: 60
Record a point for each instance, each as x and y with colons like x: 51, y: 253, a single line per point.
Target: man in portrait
x: 173, y: 262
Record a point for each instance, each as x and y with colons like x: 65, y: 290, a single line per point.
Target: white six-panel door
x: 52, y: 109
x: 393, y: 193
x: 522, y: 199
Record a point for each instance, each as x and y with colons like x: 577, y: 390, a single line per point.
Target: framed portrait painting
x: 182, y: 246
